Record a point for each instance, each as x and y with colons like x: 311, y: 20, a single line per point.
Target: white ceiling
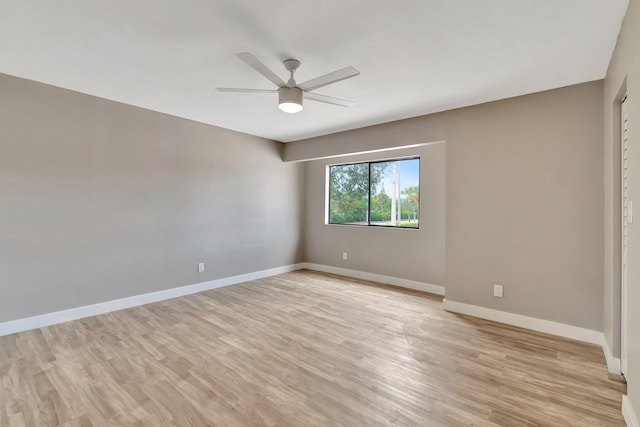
x: 415, y: 57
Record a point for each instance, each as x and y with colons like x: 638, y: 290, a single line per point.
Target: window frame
x: 327, y: 209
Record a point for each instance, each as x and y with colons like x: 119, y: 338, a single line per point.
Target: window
x: 382, y: 193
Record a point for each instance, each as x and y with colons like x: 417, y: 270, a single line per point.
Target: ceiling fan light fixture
x: 290, y: 99
x: 290, y: 94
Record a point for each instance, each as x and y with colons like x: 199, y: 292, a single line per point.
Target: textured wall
x: 410, y: 254
x: 524, y: 199
x: 99, y: 201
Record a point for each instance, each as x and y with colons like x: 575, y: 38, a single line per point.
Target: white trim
x: 628, y: 413
x: 48, y: 319
x: 613, y: 363
x: 389, y: 280
x: 76, y: 313
x: 625, y: 216
x: 540, y: 325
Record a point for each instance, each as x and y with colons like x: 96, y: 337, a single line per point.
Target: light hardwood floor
x: 301, y: 349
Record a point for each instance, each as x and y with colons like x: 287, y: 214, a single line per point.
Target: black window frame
x: 369, y: 163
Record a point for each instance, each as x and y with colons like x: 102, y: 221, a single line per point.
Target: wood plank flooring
x: 301, y: 349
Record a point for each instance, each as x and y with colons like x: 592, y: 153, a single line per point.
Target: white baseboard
x: 613, y: 363
x: 389, y: 280
x: 76, y: 313
x: 540, y: 325
x: 628, y: 413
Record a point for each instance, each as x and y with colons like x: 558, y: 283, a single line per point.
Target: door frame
x: 624, y: 142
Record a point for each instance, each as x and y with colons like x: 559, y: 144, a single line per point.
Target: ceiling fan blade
x: 327, y: 79
x: 255, y: 63
x: 235, y: 89
x: 328, y: 99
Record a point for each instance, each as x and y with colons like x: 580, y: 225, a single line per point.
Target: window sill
x: 384, y: 227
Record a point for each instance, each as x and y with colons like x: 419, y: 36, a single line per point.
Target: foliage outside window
x: 382, y: 193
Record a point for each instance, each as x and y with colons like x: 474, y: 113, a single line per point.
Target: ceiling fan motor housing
x: 290, y: 95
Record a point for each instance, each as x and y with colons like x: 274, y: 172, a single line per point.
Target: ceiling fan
x: 290, y: 94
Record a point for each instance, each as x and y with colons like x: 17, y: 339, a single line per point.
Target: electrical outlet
x: 344, y: 256
x: 200, y: 267
x: 498, y: 291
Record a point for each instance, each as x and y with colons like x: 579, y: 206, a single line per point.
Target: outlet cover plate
x: 498, y: 291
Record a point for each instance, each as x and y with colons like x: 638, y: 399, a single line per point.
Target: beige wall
x: 623, y: 75
x: 410, y: 254
x: 99, y: 200
x: 524, y: 199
